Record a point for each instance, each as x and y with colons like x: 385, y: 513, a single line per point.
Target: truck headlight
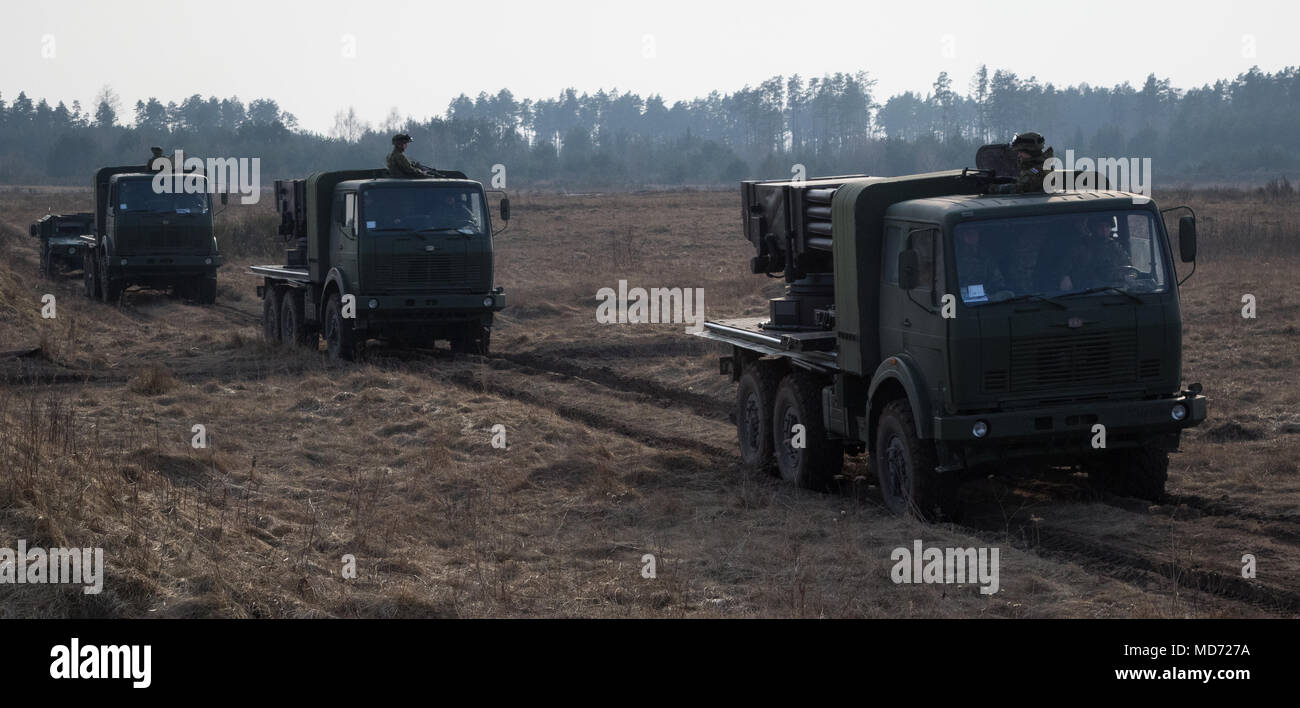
x: 487, y: 302
x: 207, y: 261
x: 123, y: 261
x: 72, y: 250
x: 373, y: 303
x: 980, y: 429
x: 1178, y: 412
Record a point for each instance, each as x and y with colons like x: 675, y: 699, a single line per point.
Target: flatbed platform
x: 747, y: 333
x: 299, y: 274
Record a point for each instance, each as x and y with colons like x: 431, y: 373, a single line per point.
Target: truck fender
x: 335, y: 280
x: 897, y: 368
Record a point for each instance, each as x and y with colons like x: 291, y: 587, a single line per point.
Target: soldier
x: 978, y: 274
x: 400, y: 166
x: 1094, y: 258
x: 1029, y: 152
x: 157, y: 155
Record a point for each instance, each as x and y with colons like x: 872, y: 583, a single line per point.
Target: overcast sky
x: 417, y: 56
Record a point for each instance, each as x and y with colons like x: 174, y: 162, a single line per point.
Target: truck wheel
x: 472, y: 338
x: 815, y: 463
x: 293, y: 328
x: 1140, y: 473
x: 207, y: 291
x: 89, y: 275
x: 906, y: 468
x: 339, y: 338
x: 45, y: 262
x: 271, y: 315
x: 109, y: 288
x: 754, y: 400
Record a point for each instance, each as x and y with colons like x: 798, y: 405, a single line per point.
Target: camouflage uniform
x: 1092, y: 261
x: 1032, y: 172
x: 401, y: 166
x: 157, y: 152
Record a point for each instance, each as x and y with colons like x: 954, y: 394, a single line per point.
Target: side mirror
x: 1187, y: 238
x: 909, y: 269
x: 505, y: 209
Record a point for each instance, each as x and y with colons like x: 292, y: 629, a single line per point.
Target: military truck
x: 894, y: 340
x: 149, y: 238
x: 61, y: 245
x: 404, y: 260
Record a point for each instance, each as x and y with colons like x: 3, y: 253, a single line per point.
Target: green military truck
x: 149, y: 238
x: 897, y: 339
x: 61, y: 245
x: 403, y: 260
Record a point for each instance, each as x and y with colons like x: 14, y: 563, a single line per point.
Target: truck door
x: 910, y: 322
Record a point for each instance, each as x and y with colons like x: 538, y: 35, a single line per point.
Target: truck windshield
x: 457, y: 209
x: 138, y: 196
x: 1059, y: 255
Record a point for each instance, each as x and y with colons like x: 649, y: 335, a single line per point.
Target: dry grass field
x: 619, y: 445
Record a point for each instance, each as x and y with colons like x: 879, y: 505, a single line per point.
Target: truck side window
x: 923, y: 244
x: 350, y: 213
x: 892, y: 247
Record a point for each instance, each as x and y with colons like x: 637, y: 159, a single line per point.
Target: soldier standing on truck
x: 401, y: 166
x: 157, y: 154
x: 1029, y: 152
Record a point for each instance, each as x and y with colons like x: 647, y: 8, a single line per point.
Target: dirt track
x: 620, y: 445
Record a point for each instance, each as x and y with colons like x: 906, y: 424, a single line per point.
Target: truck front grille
x: 429, y: 271
x: 151, y: 239
x: 1073, y: 360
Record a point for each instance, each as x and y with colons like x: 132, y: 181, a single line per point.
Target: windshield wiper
x: 1104, y: 288
x: 1032, y: 296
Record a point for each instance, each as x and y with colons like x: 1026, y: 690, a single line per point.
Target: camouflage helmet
x: 1029, y: 142
x: 401, y: 138
x: 157, y: 151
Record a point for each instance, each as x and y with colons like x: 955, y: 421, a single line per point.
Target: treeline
x: 1239, y: 128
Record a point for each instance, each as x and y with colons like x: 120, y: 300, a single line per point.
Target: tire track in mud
x: 1159, y: 576
x: 575, y: 409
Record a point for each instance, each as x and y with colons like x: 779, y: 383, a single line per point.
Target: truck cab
x: 152, y: 238
x: 403, y: 260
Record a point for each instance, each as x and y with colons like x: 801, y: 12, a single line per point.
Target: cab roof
x: 991, y: 206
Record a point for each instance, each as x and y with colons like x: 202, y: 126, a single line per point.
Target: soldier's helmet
x: 1029, y: 142
x: 401, y: 138
x: 157, y: 151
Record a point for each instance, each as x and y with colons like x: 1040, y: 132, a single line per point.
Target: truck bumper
x: 162, y: 265
x: 1046, y: 424
x: 427, y: 308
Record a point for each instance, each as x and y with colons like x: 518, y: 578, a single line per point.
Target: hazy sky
x: 417, y: 56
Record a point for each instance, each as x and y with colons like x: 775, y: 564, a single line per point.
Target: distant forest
x: 1241, y: 129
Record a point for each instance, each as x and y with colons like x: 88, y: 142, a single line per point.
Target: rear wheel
x: 805, y: 456
x: 45, y: 261
x: 754, y: 399
x: 110, y: 289
x: 90, y: 275
x: 906, y: 468
x: 293, y: 328
x: 339, y: 338
x: 271, y: 315
x: 1140, y: 473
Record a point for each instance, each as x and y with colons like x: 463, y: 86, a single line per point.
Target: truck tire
x: 45, y: 262
x: 339, y: 338
x: 472, y: 338
x: 271, y: 315
x: 754, y: 400
x: 109, y: 288
x: 293, y: 325
x: 206, y: 291
x: 906, y: 468
x: 90, y: 276
x: 1140, y: 473
x: 799, y: 402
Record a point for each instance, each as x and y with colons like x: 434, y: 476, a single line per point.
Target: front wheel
x: 207, y: 291
x: 339, y: 338
x: 473, y: 338
x: 906, y: 468
x: 1140, y: 473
